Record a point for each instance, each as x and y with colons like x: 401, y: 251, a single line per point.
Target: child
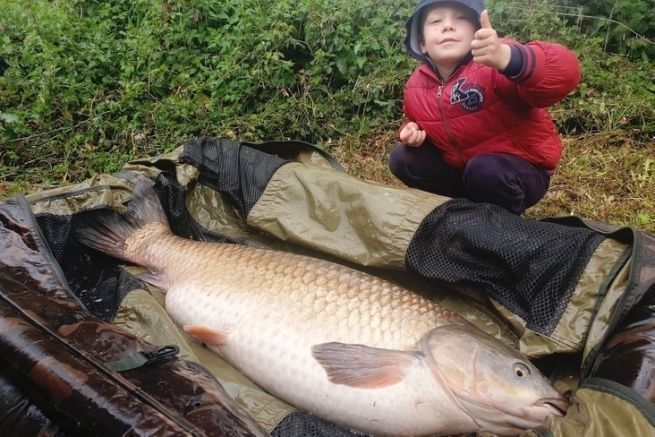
x: 476, y: 123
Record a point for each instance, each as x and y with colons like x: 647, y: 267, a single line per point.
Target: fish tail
x: 108, y: 231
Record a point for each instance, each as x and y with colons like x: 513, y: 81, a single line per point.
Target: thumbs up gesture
x: 487, y: 48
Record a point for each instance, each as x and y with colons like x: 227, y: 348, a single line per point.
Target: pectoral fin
x: 363, y: 366
x: 154, y: 278
x: 206, y: 335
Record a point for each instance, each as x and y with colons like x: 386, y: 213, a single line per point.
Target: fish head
x: 497, y: 386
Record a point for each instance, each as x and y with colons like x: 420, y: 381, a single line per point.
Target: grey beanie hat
x: 413, y: 36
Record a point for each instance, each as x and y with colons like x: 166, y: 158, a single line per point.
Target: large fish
x: 350, y: 347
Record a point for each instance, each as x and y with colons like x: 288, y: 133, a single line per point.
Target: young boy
x: 476, y: 123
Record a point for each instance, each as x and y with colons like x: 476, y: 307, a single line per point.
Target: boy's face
x: 447, y: 34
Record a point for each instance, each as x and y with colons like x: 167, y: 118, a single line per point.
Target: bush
x: 605, y: 100
x: 626, y: 26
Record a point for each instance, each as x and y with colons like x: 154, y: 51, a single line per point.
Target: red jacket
x: 479, y: 110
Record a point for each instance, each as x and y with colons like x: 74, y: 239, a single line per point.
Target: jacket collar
x: 428, y: 67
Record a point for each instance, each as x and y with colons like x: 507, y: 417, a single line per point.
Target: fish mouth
x: 557, y: 406
x: 537, y: 414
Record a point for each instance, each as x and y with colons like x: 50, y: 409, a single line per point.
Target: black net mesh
x: 96, y: 279
x: 530, y: 267
x: 240, y: 173
x: 172, y: 196
x: 304, y: 424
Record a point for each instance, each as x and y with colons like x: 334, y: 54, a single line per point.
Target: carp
x: 352, y: 348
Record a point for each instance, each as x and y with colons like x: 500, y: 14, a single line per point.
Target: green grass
x: 604, y: 177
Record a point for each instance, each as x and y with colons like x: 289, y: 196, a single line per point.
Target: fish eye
x: 521, y: 370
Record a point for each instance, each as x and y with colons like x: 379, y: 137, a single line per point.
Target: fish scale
x: 406, y: 317
x: 351, y: 347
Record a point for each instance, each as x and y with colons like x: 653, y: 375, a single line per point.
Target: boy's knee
x: 398, y: 160
x: 505, y: 180
x: 493, y: 179
x: 489, y: 171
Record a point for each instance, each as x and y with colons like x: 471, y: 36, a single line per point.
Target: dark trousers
x: 506, y: 180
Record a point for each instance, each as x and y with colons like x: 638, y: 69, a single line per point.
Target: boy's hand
x: 412, y: 135
x: 487, y: 48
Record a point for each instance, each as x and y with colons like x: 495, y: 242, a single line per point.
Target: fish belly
x: 278, y: 358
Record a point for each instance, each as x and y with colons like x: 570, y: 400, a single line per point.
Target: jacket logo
x: 470, y: 98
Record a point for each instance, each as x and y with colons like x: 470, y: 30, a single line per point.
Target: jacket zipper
x: 449, y: 132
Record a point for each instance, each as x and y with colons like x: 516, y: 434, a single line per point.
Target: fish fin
x: 106, y: 230
x: 362, y: 366
x: 154, y: 278
x: 206, y: 335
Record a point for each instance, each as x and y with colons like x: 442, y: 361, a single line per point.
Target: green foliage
x: 615, y: 92
x: 89, y: 84
x: 626, y: 26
